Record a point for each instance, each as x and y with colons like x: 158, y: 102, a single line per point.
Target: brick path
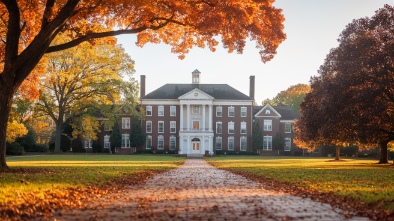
x: 198, y: 191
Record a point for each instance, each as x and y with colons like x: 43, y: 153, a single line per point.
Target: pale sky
x: 312, y: 28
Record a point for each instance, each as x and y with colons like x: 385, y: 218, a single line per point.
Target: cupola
x: 196, y: 77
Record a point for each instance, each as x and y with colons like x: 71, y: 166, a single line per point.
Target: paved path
x: 198, y: 191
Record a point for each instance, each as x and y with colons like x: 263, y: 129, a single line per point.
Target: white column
x: 188, y: 116
x: 188, y: 144
x: 181, y: 118
x: 210, y: 117
x: 210, y: 144
x: 180, y: 145
x: 203, y: 117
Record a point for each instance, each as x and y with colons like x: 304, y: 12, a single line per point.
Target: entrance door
x: 196, y: 146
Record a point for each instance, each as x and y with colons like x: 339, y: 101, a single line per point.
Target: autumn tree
x: 80, y: 78
x: 292, y: 96
x: 352, y: 101
x: 29, y: 27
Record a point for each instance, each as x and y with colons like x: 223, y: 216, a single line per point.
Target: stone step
x: 195, y: 155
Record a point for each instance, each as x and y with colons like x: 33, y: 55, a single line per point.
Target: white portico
x: 195, y: 132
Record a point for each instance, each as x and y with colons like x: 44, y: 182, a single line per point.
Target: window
x: 267, y: 111
x: 196, y: 109
x: 160, y: 110
x: 125, y: 140
x: 243, y: 127
x: 267, y: 125
x: 287, y: 127
x: 231, y: 143
x: 287, y: 144
x: 125, y: 123
x: 196, y: 124
x: 172, y: 126
x: 161, y: 127
x: 267, y: 143
x: 218, y: 111
x: 106, y: 141
x: 230, y: 127
x: 88, y: 143
x: 231, y: 111
x: 148, y: 110
x: 243, y: 143
x: 149, y: 126
x: 219, y: 127
x: 218, y: 143
x: 160, y: 143
x: 172, y: 143
x: 106, y: 126
x: 243, y: 111
x: 148, y: 142
x: 172, y: 111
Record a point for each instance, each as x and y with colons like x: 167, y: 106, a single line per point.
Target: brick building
x: 196, y: 118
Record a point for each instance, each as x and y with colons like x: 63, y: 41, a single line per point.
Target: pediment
x: 267, y: 111
x: 196, y: 94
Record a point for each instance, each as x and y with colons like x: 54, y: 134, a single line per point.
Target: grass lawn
x: 361, y: 180
x: 38, y: 174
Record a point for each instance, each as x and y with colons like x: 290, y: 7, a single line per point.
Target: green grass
x: 36, y: 174
x: 360, y: 179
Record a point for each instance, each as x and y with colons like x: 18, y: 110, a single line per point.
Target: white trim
x: 158, y: 127
x: 228, y: 143
x: 146, y: 125
x: 271, y: 108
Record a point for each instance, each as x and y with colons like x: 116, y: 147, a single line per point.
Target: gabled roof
x: 285, y: 112
x: 217, y: 91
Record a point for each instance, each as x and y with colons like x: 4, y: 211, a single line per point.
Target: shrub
x: 14, y: 149
x: 39, y: 148
x: 65, y: 144
x: 96, y: 147
x: 28, y: 141
x: 78, y: 147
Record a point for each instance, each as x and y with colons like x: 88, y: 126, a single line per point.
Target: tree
x: 257, y: 137
x: 116, y: 138
x: 278, y: 142
x: 292, y: 97
x: 352, y: 101
x: 30, y: 27
x: 80, y: 78
x: 137, y: 138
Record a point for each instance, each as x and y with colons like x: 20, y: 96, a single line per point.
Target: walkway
x: 198, y: 191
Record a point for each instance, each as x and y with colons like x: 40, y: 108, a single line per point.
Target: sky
x: 312, y: 28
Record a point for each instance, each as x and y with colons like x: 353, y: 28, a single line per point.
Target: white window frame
x: 107, y: 144
x: 217, y: 139
x: 267, y: 125
x: 231, y: 111
x: 88, y: 144
x: 195, y: 109
x: 160, y: 142
x: 172, y: 141
x: 160, y: 111
x: 217, y: 128
x: 230, y: 144
x: 267, y: 111
x: 244, y: 111
x: 230, y: 128
x: 172, y: 126
x: 219, y: 111
x: 172, y: 111
x: 148, y: 111
x: 125, y: 122
x: 148, y: 126
x: 148, y: 143
x: 287, y: 127
x: 267, y: 143
x: 243, y: 144
x: 160, y: 129
x: 125, y: 141
x: 243, y: 128
x: 287, y: 144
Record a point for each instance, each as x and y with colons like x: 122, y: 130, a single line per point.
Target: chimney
x: 251, y: 86
x: 142, y: 86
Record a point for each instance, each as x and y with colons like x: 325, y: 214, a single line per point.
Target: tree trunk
x: 58, y: 136
x: 6, y: 97
x: 383, y: 152
x: 337, y: 152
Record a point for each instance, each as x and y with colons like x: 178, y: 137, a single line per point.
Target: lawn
x: 360, y: 180
x: 45, y: 178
